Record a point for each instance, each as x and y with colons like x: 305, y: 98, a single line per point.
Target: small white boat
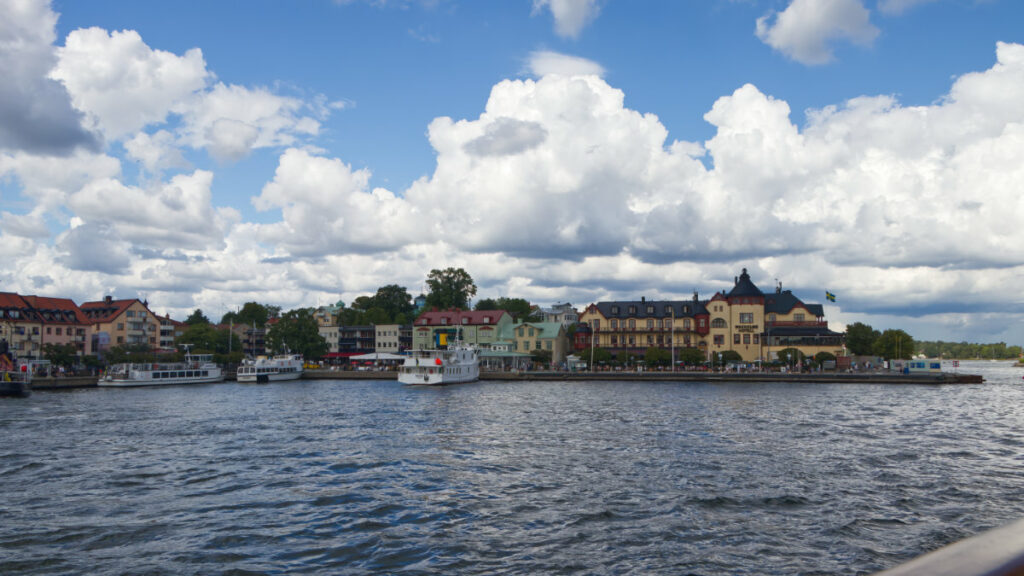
x: 196, y: 369
x: 274, y: 369
x: 453, y: 365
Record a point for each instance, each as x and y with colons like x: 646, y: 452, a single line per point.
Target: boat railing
x: 998, y: 552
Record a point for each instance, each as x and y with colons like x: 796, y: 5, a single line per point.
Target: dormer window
x: 615, y: 309
x: 487, y: 319
x: 444, y: 321
x: 632, y: 310
x: 465, y: 320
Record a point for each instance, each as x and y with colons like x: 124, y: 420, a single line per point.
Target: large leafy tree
x: 657, y: 356
x: 860, y: 338
x: 252, y: 313
x: 893, y: 344
x: 450, y: 288
x: 297, y: 332
x: 208, y: 339
x: 197, y: 317
x: 691, y: 356
x: 394, y: 300
x: 61, y: 354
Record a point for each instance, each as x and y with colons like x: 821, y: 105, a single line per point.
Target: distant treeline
x: 968, y: 351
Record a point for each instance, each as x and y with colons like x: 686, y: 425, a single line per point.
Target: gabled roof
x: 57, y: 310
x: 745, y: 288
x: 455, y: 317
x: 12, y: 301
x: 547, y: 329
x: 106, y: 310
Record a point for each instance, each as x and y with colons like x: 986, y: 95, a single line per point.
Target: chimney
x: 108, y: 299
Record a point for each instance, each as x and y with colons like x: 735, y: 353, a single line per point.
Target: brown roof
x: 453, y: 317
x: 12, y: 301
x: 57, y: 310
x: 106, y: 310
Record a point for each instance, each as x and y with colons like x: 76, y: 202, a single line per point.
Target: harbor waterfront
x: 581, y: 477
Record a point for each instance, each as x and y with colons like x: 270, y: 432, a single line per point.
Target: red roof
x: 12, y: 301
x: 455, y: 317
x: 106, y: 310
x: 57, y: 310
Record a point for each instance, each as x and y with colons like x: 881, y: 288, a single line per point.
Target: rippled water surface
x: 370, y: 477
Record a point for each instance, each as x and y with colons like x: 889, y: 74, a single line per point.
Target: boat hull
x: 136, y: 382
x: 15, y: 388
x: 455, y: 365
x: 267, y: 377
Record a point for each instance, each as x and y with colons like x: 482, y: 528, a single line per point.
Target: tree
x: 894, y: 344
x: 252, y: 313
x: 450, y: 288
x: 197, y: 317
x: 297, y: 332
x: 860, y: 338
x: 394, y: 300
x: 601, y: 355
x: 657, y: 356
x: 821, y: 357
x: 61, y: 354
x: 690, y: 356
x: 790, y: 356
x: 542, y: 357
x: 126, y: 353
x: 486, y: 304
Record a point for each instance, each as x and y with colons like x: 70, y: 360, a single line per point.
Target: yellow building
x: 744, y: 320
x: 121, y: 322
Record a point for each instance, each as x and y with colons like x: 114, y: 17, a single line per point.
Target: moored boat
x: 274, y: 369
x: 452, y: 365
x: 16, y: 383
x: 196, y: 369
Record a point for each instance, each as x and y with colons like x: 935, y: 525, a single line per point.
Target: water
x: 369, y: 477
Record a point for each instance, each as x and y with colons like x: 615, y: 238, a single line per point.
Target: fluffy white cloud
x: 545, y: 62
x: 174, y: 215
x: 327, y: 209
x: 122, y: 84
x: 571, y: 16
x: 35, y: 112
x: 805, y: 28
x: 232, y: 120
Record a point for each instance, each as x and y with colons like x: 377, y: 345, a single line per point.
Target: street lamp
x: 720, y: 365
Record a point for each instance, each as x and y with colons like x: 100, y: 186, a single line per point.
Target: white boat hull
x: 456, y: 365
x: 276, y: 369
x: 134, y: 382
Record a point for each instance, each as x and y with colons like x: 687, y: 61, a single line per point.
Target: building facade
x: 547, y: 336
x: 478, y: 327
x: 743, y: 320
x: 20, y: 327
x: 120, y: 323
x: 63, y: 323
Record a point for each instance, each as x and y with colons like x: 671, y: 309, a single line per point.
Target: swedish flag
x: 830, y: 296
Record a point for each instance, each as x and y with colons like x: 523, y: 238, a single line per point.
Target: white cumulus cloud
x: 571, y: 16
x: 805, y: 30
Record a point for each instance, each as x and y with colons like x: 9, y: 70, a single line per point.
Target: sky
x: 207, y: 154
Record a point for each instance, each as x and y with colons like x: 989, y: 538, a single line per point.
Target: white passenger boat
x: 457, y: 363
x: 196, y: 369
x: 273, y: 369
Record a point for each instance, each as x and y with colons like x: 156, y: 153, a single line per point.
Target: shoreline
x: 70, y: 383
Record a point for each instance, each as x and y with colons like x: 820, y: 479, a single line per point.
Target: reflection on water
x: 370, y: 477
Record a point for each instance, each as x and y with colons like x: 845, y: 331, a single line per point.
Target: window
x: 49, y: 330
x: 650, y: 324
x: 650, y: 309
x: 701, y: 323
x: 719, y: 323
x: 632, y: 324
x: 735, y: 338
x: 615, y: 324
x: 632, y: 310
x: 615, y: 309
x: 746, y: 317
x: 719, y: 340
x: 686, y: 323
x: 668, y: 310
x: 757, y: 338
x: 120, y: 326
x: 548, y: 344
x: 59, y: 331
x: 595, y: 325
x: 531, y: 331
x: 746, y: 338
x: 444, y: 321
x: 487, y: 319
x: 650, y: 340
x: 798, y: 317
x: 465, y: 320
